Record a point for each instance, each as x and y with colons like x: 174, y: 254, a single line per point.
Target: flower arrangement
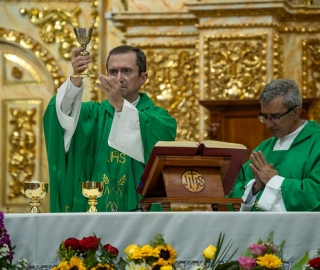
x: 86, y: 254
x: 262, y: 255
x: 214, y: 256
x: 306, y: 263
x: 7, y: 250
x: 157, y: 256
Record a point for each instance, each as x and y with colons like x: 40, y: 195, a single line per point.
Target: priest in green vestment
x: 108, y: 141
x: 283, y: 173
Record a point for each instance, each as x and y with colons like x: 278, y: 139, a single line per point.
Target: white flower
x: 141, y: 266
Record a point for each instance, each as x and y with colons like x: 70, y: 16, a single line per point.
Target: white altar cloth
x: 38, y: 236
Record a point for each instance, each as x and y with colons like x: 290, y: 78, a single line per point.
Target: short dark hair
x: 285, y: 88
x: 140, y: 56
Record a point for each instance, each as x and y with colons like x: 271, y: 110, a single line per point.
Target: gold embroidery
x: 116, y: 190
x: 118, y: 156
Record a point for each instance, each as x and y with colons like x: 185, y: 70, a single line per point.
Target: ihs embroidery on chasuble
x: 113, y: 193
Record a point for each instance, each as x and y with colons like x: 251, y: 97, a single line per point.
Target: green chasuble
x: 90, y: 158
x: 299, y: 165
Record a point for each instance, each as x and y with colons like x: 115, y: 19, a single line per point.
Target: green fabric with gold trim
x: 90, y: 158
x: 299, y: 165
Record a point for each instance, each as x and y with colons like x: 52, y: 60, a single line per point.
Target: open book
x: 235, y: 153
x: 193, y: 148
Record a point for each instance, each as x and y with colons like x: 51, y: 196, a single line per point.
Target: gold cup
x: 35, y: 191
x: 83, y: 36
x: 92, y: 190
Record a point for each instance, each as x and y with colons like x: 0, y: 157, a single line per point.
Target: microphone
x: 139, y: 207
x: 244, y: 181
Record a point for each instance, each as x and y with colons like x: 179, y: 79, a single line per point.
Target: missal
x: 229, y: 157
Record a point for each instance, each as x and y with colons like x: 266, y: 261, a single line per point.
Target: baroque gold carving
x: 287, y: 29
x: 311, y: 66
x: 234, y: 66
x: 17, y: 73
x: 169, y: 45
x: 38, y: 50
x: 23, y: 118
x: 173, y: 84
x: 56, y: 25
x: 311, y: 74
x: 283, y: 13
x: 237, y: 25
x: 53, y: 26
x: 277, y: 57
x: 162, y: 34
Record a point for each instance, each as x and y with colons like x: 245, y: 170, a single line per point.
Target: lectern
x: 192, y: 173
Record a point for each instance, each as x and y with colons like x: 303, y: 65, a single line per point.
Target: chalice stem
x: 35, y: 202
x: 93, y: 202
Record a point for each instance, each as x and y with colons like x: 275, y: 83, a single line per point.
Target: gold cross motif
x: 8, y: 209
x: 67, y: 207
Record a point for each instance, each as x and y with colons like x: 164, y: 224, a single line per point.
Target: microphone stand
x: 139, y: 207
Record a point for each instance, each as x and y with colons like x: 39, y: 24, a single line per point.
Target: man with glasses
x: 283, y: 173
x: 107, y: 142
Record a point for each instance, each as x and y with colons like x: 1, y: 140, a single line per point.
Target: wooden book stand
x: 189, y: 176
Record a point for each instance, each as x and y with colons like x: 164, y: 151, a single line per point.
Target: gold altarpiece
x: 198, y: 51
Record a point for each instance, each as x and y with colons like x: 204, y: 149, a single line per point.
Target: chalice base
x: 87, y: 73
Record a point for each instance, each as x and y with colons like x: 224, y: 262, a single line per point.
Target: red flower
x: 89, y: 243
x: 111, y: 249
x: 73, y: 243
x: 314, y: 263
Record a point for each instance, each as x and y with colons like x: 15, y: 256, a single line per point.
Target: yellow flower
x: 167, y: 267
x: 133, y: 266
x: 130, y: 250
x: 145, y: 251
x: 160, y: 262
x: 210, y: 252
x: 101, y: 266
x: 168, y: 253
x: 269, y: 261
x: 76, y: 262
x: 64, y: 265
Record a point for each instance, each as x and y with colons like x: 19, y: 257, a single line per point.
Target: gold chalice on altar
x: 92, y: 190
x: 83, y: 36
x: 35, y: 191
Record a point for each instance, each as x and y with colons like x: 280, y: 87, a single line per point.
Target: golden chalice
x: 35, y: 191
x: 92, y: 190
x: 83, y: 36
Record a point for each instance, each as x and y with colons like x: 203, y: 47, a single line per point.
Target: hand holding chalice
x: 83, y: 36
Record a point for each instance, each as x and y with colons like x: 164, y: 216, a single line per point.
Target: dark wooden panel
x: 236, y: 121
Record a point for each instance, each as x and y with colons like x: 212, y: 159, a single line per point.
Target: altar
x: 38, y: 236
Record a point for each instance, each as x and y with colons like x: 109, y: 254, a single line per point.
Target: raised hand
x: 79, y: 63
x: 112, y: 87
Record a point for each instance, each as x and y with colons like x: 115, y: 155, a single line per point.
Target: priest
x: 108, y: 141
x: 283, y: 173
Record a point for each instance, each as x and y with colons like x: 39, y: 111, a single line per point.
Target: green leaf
x: 234, y: 265
x: 122, y: 264
x: 298, y: 265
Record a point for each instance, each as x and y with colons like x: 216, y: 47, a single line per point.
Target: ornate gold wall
x: 196, y: 49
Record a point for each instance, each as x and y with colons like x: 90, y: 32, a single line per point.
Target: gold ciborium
x: 92, y: 190
x: 83, y: 36
x: 35, y: 191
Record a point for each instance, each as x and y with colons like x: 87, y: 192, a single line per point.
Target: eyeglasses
x: 273, y: 117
